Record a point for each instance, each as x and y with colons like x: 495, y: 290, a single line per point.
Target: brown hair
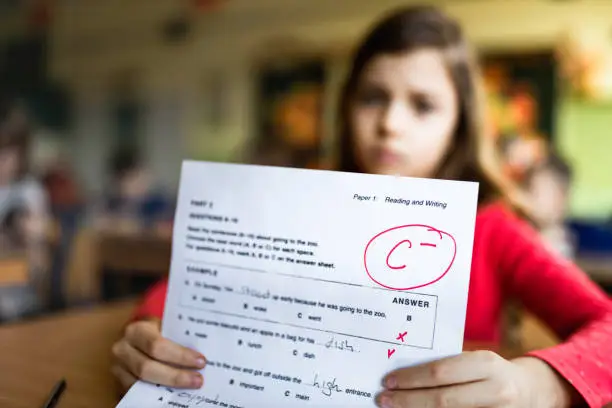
x: 15, y: 132
x: 553, y: 162
x: 472, y: 155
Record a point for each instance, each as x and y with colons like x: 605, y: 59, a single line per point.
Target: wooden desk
x: 76, y: 346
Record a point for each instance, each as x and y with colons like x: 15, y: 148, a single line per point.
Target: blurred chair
x: 82, y: 280
x: 524, y: 331
x: 97, y: 255
x: 14, y: 270
x: 131, y: 262
x: 18, y: 298
x: 62, y: 234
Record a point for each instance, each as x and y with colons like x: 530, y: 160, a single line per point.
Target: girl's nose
x: 395, y: 120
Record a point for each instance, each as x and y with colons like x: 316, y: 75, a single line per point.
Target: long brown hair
x: 472, y: 154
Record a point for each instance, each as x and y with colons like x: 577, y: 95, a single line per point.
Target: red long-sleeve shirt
x: 510, y: 261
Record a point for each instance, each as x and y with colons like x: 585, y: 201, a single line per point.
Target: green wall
x: 585, y: 137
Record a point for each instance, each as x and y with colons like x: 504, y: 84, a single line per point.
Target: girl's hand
x: 476, y: 379
x: 144, y: 354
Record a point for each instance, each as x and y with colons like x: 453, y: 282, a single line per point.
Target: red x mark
x: 401, y: 336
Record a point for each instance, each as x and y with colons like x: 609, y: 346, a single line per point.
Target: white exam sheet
x: 304, y: 287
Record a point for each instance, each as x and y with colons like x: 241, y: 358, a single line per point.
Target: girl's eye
x: 423, y: 105
x: 372, y: 97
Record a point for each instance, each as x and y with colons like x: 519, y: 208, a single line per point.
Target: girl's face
x: 404, y: 114
x: 9, y: 164
x: 549, y: 197
x: 135, y: 184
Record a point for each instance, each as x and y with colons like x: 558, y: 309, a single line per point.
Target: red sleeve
x: 153, y: 302
x: 564, y: 297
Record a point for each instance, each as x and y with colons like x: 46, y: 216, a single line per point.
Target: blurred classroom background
x: 117, y: 93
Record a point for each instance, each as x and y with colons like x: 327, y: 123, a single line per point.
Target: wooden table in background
x: 75, y: 346
x: 95, y: 253
x: 135, y: 254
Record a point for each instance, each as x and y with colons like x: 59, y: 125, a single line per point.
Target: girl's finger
x: 146, y: 337
x: 147, y: 369
x: 466, y: 367
x: 125, y: 378
x: 470, y: 395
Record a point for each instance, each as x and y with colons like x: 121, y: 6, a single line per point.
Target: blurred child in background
x: 67, y: 204
x: 24, y: 219
x: 548, y: 187
x: 134, y: 204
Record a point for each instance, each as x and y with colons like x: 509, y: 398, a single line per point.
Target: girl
x: 548, y: 186
x: 133, y: 203
x: 410, y: 106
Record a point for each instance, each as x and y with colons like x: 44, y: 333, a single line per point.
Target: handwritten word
x: 390, y: 352
x: 401, y: 336
x: 192, y: 399
x: 327, y: 387
x: 342, y: 345
x: 248, y: 291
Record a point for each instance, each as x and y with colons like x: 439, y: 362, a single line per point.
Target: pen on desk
x: 56, y: 393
